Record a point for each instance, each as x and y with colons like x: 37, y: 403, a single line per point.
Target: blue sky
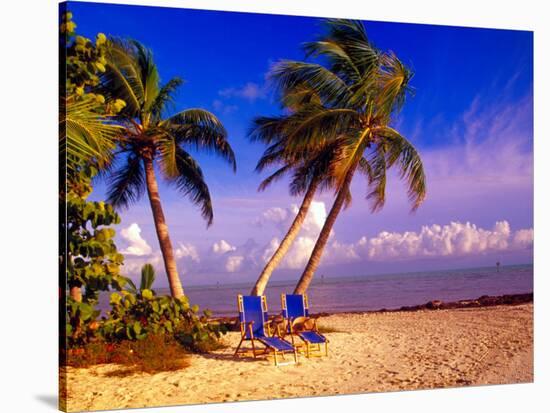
x: 471, y: 118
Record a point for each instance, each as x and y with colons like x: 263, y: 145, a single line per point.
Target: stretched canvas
x: 259, y: 206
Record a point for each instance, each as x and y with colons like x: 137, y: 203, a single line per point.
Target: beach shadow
x: 49, y: 400
x: 231, y: 357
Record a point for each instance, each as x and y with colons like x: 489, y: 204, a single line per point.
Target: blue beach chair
x: 254, y: 328
x: 296, y: 313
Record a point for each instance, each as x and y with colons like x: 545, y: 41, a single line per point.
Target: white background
x: 28, y: 201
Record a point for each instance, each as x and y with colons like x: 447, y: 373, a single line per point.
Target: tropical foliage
x: 359, y: 89
x: 146, y: 283
x: 149, y: 139
x: 135, y: 317
x: 92, y: 260
x: 94, y: 127
x: 86, y: 131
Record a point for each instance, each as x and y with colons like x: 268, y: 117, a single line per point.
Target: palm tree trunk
x: 287, y: 241
x: 162, y: 229
x: 319, y: 247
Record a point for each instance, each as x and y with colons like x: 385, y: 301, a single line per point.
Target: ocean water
x: 372, y: 292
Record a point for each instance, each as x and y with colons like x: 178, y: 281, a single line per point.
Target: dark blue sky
x: 471, y: 116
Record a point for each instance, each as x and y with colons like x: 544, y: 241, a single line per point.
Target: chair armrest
x: 249, y: 324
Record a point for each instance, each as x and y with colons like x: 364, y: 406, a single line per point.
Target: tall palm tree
x: 309, y: 173
x: 360, y: 90
x: 151, y: 142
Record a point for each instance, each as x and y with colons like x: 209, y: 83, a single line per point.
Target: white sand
x: 370, y: 353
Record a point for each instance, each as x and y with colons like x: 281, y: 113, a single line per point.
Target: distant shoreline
x: 482, y: 301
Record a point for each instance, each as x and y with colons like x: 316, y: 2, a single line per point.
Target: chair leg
x: 239, y: 346
x: 253, y: 348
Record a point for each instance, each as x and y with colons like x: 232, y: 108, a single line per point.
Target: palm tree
x: 360, y: 90
x: 150, y: 141
x: 310, y: 173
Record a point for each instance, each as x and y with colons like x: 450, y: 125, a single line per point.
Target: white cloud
x: 302, y: 246
x: 187, y: 251
x: 299, y: 253
x: 222, y: 247
x: 315, y: 218
x: 234, y: 263
x: 137, y: 246
x: 282, y: 218
x: 453, y: 239
x: 250, y: 91
x: 523, y: 238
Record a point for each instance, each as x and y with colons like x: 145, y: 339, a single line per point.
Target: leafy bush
x: 92, y: 262
x: 136, y: 317
x: 81, y: 325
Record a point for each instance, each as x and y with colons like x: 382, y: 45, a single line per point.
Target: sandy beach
x: 370, y: 352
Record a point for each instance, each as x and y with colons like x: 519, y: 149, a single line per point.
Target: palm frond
x: 401, y: 152
x: 165, y: 97
x: 315, y: 125
x: 266, y: 129
x: 275, y: 176
x: 352, y: 38
x: 188, y: 179
x: 392, y: 85
x: 123, y: 76
x: 201, y: 129
x: 149, y: 75
x: 126, y: 184
x: 287, y: 76
x: 85, y: 134
x: 377, y: 178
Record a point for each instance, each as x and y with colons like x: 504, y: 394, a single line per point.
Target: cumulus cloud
x: 282, y: 218
x: 453, y: 239
x: 222, y: 247
x: 302, y: 246
x: 137, y: 246
x: 187, y: 251
x: 436, y: 241
x: 234, y: 263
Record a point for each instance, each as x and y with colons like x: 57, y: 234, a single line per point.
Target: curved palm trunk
x: 287, y: 241
x: 319, y: 247
x: 162, y: 230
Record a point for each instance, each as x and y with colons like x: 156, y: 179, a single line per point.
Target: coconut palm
x: 152, y: 142
x: 360, y: 90
x: 310, y: 172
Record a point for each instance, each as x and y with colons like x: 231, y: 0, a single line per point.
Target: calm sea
x: 372, y: 292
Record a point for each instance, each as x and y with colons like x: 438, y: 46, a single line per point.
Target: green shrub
x: 135, y: 317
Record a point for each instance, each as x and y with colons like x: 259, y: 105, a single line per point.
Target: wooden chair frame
x: 309, y: 349
x: 253, y: 350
